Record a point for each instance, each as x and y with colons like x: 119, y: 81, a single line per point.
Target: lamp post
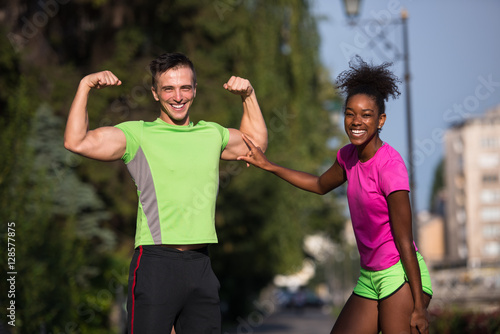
x: 352, y: 9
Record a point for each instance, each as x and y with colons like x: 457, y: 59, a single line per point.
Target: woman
x: 394, y: 288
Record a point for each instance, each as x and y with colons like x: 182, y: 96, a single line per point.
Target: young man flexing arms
x: 174, y: 164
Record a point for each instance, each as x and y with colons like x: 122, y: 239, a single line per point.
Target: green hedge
x: 465, y: 322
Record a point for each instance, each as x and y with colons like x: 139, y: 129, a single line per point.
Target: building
x: 431, y: 238
x: 472, y: 176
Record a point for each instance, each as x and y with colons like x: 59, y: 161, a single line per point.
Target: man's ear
x: 155, y: 95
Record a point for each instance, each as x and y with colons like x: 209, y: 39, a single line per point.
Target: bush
x: 455, y: 321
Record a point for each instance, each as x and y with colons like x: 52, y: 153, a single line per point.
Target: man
x: 174, y: 164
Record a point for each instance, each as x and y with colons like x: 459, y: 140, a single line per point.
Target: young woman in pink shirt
x: 394, y: 288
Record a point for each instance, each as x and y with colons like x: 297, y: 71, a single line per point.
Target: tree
x: 438, y: 186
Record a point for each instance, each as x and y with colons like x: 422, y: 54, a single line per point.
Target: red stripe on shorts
x: 133, y: 290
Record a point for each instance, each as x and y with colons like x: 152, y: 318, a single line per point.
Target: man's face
x: 175, y: 90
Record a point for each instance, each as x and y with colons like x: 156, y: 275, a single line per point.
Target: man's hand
x: 239, y: 86
x: 101, y: 80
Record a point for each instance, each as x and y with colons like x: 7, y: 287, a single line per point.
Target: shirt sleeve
x: 393, y: 176
x: 133, y: 135
x: 224, y: 133
x: 341, y: 156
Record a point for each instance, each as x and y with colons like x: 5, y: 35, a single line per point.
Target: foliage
x: 61, y: 249
x: 15, y: 166
x: 438, y: 185
x: 465, y: 322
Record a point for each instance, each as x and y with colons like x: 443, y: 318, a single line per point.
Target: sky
x: 454, y: 61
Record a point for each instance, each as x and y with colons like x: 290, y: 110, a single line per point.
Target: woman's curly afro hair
x: 377, y: 82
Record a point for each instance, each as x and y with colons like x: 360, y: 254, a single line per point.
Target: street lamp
x: 352, y: 8
x: 352, y: 11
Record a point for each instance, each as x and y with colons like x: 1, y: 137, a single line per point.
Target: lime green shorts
x: 381, y: 284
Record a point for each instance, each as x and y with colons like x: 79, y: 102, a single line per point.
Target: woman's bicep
x: 400, y: 216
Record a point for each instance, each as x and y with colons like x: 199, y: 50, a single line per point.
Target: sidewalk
x: 307, y: 321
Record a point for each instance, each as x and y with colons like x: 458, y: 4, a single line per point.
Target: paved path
x: 309, y: 321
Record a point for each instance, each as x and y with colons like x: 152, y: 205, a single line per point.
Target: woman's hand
x: 255, y: 156
x: 419, y: 321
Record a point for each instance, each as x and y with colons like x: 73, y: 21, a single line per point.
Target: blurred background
x: 71, y: 220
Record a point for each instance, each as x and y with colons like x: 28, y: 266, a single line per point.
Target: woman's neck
x: 368, y: 150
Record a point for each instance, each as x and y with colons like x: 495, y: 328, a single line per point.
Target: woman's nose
x: 356, y: 119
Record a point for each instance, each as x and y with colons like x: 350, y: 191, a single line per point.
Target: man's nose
x: 178, y: 95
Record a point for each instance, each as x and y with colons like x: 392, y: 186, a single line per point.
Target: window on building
x: 462, y: 234
x: 490, y: 178
x: 458, y: 145
x: 491, y: 249
x: 490, y: 142
x: 490, y: 214
x: 489, y: 196
x: 491, y: 231
x: 462, y: 251
x: 460, y: 163
x: 459, y: 181
x: 461, y: 216
x: 489, y: 160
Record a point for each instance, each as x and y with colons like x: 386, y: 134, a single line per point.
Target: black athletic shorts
x: 170, y: 287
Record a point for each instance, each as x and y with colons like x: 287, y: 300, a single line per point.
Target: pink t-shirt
x: 368, y: 185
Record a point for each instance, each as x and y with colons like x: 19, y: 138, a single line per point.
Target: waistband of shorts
x: 158, y: 250
x: 368, y: 271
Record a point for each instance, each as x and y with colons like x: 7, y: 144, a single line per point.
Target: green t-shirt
x: 176, y: 171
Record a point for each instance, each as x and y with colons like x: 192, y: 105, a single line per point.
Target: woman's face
x: 362, y: 119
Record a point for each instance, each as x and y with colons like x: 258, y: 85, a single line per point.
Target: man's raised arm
x: 252, y: 121
x: 105, y: 143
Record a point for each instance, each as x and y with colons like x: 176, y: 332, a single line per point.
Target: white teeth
x: 358, y: 132
x: 177, y: 106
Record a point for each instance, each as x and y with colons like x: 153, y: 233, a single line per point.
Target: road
x: 307, y: 321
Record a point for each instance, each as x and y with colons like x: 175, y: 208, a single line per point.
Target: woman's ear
x: 381, y: 120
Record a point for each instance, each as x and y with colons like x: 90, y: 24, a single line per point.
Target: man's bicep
x: 235, y: 146
x: 105, y: 144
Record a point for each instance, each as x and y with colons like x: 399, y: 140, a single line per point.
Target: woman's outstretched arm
x: 329, y: 180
